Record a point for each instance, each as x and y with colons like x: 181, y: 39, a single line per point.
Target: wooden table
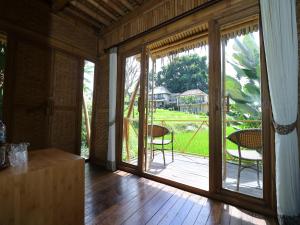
x: 48, y: 191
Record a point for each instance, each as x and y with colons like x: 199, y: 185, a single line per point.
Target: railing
x: 192, y: 135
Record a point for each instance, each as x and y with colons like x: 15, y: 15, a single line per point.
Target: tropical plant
x: 243, y: 88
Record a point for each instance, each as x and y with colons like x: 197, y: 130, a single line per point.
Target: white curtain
x: 281, y: 47
x: 111, y: 155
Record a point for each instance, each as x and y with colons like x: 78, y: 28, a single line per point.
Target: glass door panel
x: 242, y: 115
x: 131, y: 123
x: 177, y: 117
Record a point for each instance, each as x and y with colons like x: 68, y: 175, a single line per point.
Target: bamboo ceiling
x: 198, y: 36
x: 100, y: 13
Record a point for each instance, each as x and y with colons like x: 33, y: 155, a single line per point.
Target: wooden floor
x: 193, y: 170
x: 123, y: 198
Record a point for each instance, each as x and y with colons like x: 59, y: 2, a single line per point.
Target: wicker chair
x: 249, y: 142
x: 156, y: 135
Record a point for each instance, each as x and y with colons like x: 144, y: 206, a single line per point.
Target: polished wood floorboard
x: 123, y: 198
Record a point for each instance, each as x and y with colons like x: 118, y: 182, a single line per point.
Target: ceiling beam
x: 127, y: 4
x: 90, y: 12
x: 102, y: 9
x: 83, y: 17
x: 59, y: 5
x: 114, y: 7
x: 139, y: 1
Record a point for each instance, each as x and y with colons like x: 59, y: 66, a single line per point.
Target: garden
x: 191, y: 132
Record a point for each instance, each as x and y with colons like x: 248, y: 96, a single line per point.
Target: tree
x: 243, y: 88
x: 184, y: 73
x: 132, y: 75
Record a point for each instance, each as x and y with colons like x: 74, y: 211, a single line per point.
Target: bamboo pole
x: 127, y: 118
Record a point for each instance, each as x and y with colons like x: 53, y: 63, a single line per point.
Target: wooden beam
x: 90, y: 12
x: 102, y: 9
x: 83, y: 17
x: 114, y: 7
x: 127, y: 4
x: 139, y: 1
x: 59, y: 5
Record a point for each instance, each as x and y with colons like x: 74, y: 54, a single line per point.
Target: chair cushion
x: 246, y: 154
x: 159, y: 142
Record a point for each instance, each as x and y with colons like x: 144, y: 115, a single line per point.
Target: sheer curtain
x: 111, y: 155
x: 281, y: 47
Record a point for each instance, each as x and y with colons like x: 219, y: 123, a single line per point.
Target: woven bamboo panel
x: 29, y: 119
x: 100, y: 121
x: 64, y: 131
x: 152, y: 17
x: 65, y: 80
x: 33, y: 64
x: 29, y: 127
x: 64, y: 125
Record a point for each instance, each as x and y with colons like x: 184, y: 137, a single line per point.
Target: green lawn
x: 184, y: 126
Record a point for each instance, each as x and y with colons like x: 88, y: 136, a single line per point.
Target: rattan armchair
x: 249, y: 142
x: 156, y: 137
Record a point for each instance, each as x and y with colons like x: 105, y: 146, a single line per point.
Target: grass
x: 183, y: 132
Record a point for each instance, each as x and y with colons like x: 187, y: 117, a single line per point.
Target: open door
x: 242, y: 125
x: 177, y: 109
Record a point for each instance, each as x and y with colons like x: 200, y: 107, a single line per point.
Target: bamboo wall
x: 44, y: 72
x: 100, y: 123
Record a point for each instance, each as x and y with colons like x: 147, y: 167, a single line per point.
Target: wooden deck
x: 123, y: 198
x: 194, y: 171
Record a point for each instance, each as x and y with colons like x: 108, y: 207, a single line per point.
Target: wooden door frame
x: 120, y: 108
x: 266, y: 205
x: 267, y: 201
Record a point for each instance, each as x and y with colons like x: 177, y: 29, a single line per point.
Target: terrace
x: 191, y: 151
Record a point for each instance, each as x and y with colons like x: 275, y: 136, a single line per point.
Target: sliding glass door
x: 198, y: 115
